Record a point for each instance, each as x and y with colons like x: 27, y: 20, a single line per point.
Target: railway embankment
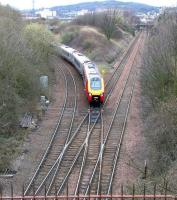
x: 137, y: 124
x: 158, y: 80
x: 87, y: 35
x: 25, y: 51
x: 90, y: 41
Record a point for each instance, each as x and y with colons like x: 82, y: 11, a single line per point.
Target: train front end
x: 96, y: 90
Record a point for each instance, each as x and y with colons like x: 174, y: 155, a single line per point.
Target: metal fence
x: 91, y: 197
x: 166, y: 194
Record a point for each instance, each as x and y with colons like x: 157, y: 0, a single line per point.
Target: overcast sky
x: 27, y: 4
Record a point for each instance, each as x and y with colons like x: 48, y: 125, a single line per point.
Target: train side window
x: 66, y: 53
x: 84, y: 77
x: 77, y: 62
x: 91, y: 65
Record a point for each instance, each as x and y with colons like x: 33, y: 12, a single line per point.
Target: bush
x: 66, y: 38
x: 127, y: 28
x: 108, y: 22
x: 88, y: 44
x: 159, y: 82
x: 25, y: 55
x: 39, y: 40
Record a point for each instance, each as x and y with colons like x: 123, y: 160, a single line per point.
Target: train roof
x: 81, y: 58
x: 67, y: 49
x: 90, y: 68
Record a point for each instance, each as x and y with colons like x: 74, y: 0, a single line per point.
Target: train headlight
x: 102, y: 98
x: 89, y: 97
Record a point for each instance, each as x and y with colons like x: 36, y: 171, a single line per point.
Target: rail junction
x: 88, y: 150
x: 84, y: 150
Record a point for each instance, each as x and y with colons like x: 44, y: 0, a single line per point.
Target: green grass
x: 103, y: 68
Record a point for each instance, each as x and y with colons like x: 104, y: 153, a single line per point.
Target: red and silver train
x: 93, y: 81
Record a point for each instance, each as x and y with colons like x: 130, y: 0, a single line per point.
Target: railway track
x: 87, y: 146
x: 60, y: 135
x: 102, y: 172
x: 88, y: 163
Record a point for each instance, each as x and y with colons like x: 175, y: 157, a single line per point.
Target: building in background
x: 47, y: 14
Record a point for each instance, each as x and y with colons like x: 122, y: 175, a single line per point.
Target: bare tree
x: 109, y: 24
x: 160, y: 85
x: 107, y: 21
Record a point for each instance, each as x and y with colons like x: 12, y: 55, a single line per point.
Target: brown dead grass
x: 94, y: 44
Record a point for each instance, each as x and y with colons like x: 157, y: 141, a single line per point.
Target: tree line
x: 109, y: 22
x: 25, y: 50
x: 159, y: 80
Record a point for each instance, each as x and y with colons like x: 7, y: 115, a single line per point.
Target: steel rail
x: 77, y: 155
x: 117, y: 154
x: 84, y: 156
x: 75, y: 106
x: 82, y: 146
x: 86, y: 147
x: 53, y: 135
x: 115, y: 72
x: 102, y: 149
x: 66, y: 146
x: 68, y: 135
x: 107, y: 97
x: 100, y: 157
x: 123, y: 58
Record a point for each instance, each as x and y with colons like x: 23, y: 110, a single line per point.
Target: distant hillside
x: 112, y: 4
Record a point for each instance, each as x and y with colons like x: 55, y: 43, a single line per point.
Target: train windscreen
x: 95, y: 83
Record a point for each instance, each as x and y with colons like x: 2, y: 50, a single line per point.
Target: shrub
x: 25, y: 52
x: 108, y: 22
x: 66, y: 38
x: 159, y: 82
x: 88, y: 44
x: 39, y: 40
